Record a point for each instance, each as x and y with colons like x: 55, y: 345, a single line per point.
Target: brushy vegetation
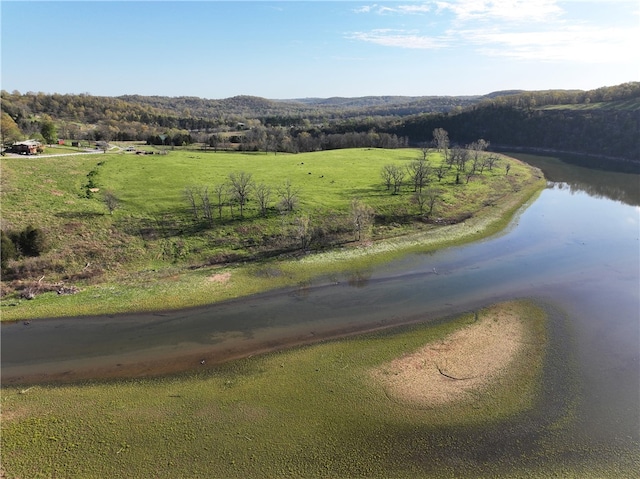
x: 306, y: 412
x: 149, y: 242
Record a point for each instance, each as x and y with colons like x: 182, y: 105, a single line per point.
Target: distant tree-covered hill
x: 601, y: 122
x: 312, y: 109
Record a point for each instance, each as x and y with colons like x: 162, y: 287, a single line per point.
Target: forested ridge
x: 200, y: 112
x: 604, y: 133
x: 603, y: 122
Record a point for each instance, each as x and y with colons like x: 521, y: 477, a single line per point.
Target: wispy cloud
x: 535, y: 30
x: 465, y: 10
x: 398, y: 9
x: 364, y: 9
x: 399, y: 38
x: 577, y: 43
x: 502, y: 10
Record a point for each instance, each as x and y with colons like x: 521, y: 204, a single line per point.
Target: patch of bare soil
x: 221, y: 278
x: 454, y: 368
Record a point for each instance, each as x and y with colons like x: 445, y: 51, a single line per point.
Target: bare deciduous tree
x: 426, y: 200
x: 475, y: 163
x: 192, y: 194
x: 491, y: 161
x: 361, y: 217
x: 111, y: 201
x: 397, y: 177
x: 303, y: 230
x: 440, y: 171
x: 207, y: 210
x: 477, y: 148
x: 386, y: 175
x: 420, y: 199
x: 459, y: 157
x: 419, y: 172
x: 433, y: 195
x: 220, y: 192
x: 231, y: 200
x: 240, y: 186
x: 288, y: 197
x: 441, y: 142
x: 263, y: 195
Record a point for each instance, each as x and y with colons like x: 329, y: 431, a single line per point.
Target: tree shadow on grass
x: 79, y: 215
x: 371, y: 191
x: 161, y: 225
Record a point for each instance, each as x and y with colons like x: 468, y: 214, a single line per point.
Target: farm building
x: 26, y: 147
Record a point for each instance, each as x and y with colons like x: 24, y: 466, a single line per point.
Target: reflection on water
x: 359, y: 279
x: 576, y: 247
x: 588, y: 176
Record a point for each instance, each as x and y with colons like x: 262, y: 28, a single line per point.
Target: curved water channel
x: 576, y: 247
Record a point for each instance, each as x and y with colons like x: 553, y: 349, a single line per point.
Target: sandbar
x: 459, y: 366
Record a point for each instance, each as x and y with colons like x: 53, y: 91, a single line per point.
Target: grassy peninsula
x: 490, y: 407
x: 151, y: 244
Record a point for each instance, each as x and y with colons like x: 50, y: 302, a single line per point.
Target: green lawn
x: 152, y: 246
x: 325, y: 179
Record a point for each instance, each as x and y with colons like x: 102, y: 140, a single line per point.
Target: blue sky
x: 287, y: 49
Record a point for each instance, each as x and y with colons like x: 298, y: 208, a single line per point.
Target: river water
x: 575, y: 248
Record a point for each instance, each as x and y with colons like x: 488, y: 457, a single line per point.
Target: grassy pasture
x: 630, y: 105
x: 150, y: 246
x: 326, y: 180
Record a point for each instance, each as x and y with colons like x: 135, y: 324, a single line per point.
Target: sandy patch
x: 222, y: 278
x: 13, y: 414
x: 451, y: 369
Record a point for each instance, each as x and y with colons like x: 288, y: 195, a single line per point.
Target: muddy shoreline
x: 200, y: 360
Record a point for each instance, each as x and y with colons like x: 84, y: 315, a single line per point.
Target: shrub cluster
x: 31, y: 241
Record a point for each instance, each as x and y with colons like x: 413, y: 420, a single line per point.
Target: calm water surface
x: 576, y: 247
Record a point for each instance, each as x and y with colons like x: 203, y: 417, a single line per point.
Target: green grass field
x: 152, y: 246
x: 630, y: 105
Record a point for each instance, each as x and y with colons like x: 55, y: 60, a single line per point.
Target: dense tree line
x: 287, y: 112
x: 603, y: 122
x: 600, y: 132
x: 197, y: 114
x: 534, y: 99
